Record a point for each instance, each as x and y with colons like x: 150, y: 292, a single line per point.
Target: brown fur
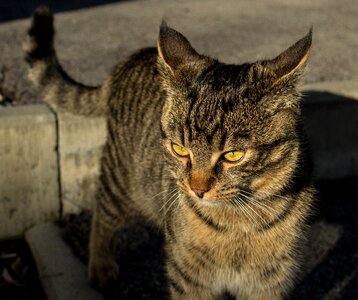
x: 229, y: 226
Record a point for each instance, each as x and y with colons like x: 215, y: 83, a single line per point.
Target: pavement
x: 92, y: 39
x: 63, y: 276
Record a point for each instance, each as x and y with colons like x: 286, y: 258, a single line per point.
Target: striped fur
x: 59, y: 89
x: 245, y: 232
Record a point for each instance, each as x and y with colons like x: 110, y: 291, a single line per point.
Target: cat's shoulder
x: 144, y: 55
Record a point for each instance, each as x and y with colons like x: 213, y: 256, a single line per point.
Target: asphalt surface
x: 12, y: 10
x: 92, y: 39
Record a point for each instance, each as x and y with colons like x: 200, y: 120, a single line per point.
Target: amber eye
x: 234, y: 156
x: 180, y: 150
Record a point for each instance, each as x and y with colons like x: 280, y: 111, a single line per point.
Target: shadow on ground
x: 331, y: 271
x: 335, y: 276
x: 12, y: 10
x: 331, y: 125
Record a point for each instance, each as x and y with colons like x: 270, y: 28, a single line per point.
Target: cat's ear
x: 174, y: 49
x: 292, y: 60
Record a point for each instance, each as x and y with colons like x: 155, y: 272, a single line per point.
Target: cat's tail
x: 59, y: 89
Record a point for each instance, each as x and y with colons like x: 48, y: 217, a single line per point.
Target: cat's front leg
x: 102, y: 266
x: 109, y: 216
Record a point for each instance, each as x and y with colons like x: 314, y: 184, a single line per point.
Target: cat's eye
x: 180, y: 150
x: 234, y: 156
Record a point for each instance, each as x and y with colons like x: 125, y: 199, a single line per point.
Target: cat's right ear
x: 174, y: 49
x: 292, y: 60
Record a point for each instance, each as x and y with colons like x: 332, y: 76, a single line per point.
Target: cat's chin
x: 208, y: 203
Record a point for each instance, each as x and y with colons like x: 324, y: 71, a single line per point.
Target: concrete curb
x: 347, y: 89
x: 80, y: 149
x: 330, y: 111
x: 49, y: 165
x: 28, y: 168
x: 62, y: 274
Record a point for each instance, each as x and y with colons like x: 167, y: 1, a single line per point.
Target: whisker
x: 254, y: 200
x: 263, y: 205
x: 251, y: 198
x: 267, y: 194
x: 239, y: 205
x: 255, y: 212
x: 177, y: 196
x: 171, y: 195
x: 282, y: 197
x: 248, y: 213
x: 158, y: 194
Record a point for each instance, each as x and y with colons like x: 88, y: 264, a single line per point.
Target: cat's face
x: 221, y: 141
x: 228, y: 131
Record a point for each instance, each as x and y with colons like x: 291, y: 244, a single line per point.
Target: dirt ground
x: 331, y: 270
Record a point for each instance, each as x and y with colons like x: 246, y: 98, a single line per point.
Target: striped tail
x: 59, y: 89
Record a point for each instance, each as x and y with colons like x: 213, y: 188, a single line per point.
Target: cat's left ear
x: 174, y: 49
x: 291, y: 61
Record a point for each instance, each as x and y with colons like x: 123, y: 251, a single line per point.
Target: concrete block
x: 28, y: 168
x: 62, y: 275
x: 348, y: 89
x: 81, y: 140
x: 330, y: 112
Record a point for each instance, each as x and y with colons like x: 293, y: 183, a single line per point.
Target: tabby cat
x: 213, y: 153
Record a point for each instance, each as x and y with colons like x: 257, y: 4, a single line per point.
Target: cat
x: 213, y: 153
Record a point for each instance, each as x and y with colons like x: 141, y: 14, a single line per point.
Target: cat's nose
x: 199, y: 193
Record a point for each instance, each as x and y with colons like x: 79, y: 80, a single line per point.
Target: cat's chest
x: 221, y: 243
x: 229, y: 247
x: 225, y: 257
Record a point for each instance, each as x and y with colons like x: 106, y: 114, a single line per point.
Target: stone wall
x: 49, y: 165
x: 28, y: 168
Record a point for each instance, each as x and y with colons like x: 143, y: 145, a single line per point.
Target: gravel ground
x: 332, y: 260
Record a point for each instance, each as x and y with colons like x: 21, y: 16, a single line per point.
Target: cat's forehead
x: 220, y: 109
x: 222, y: 80
x: 204, y: 126
x: 222, y: 98
x: 228, y: 90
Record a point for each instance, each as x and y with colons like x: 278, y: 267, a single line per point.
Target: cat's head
x: 230, y: 129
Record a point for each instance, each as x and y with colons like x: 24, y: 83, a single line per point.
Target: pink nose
x: 199, y: 193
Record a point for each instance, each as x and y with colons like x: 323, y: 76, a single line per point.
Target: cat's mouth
x: 205, y: 200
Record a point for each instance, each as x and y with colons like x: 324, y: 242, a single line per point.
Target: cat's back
x: 135, y: 84
x: 135, y: 104
x: 136, y: 98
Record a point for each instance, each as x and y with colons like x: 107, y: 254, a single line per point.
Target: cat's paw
x: 101, y: 271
